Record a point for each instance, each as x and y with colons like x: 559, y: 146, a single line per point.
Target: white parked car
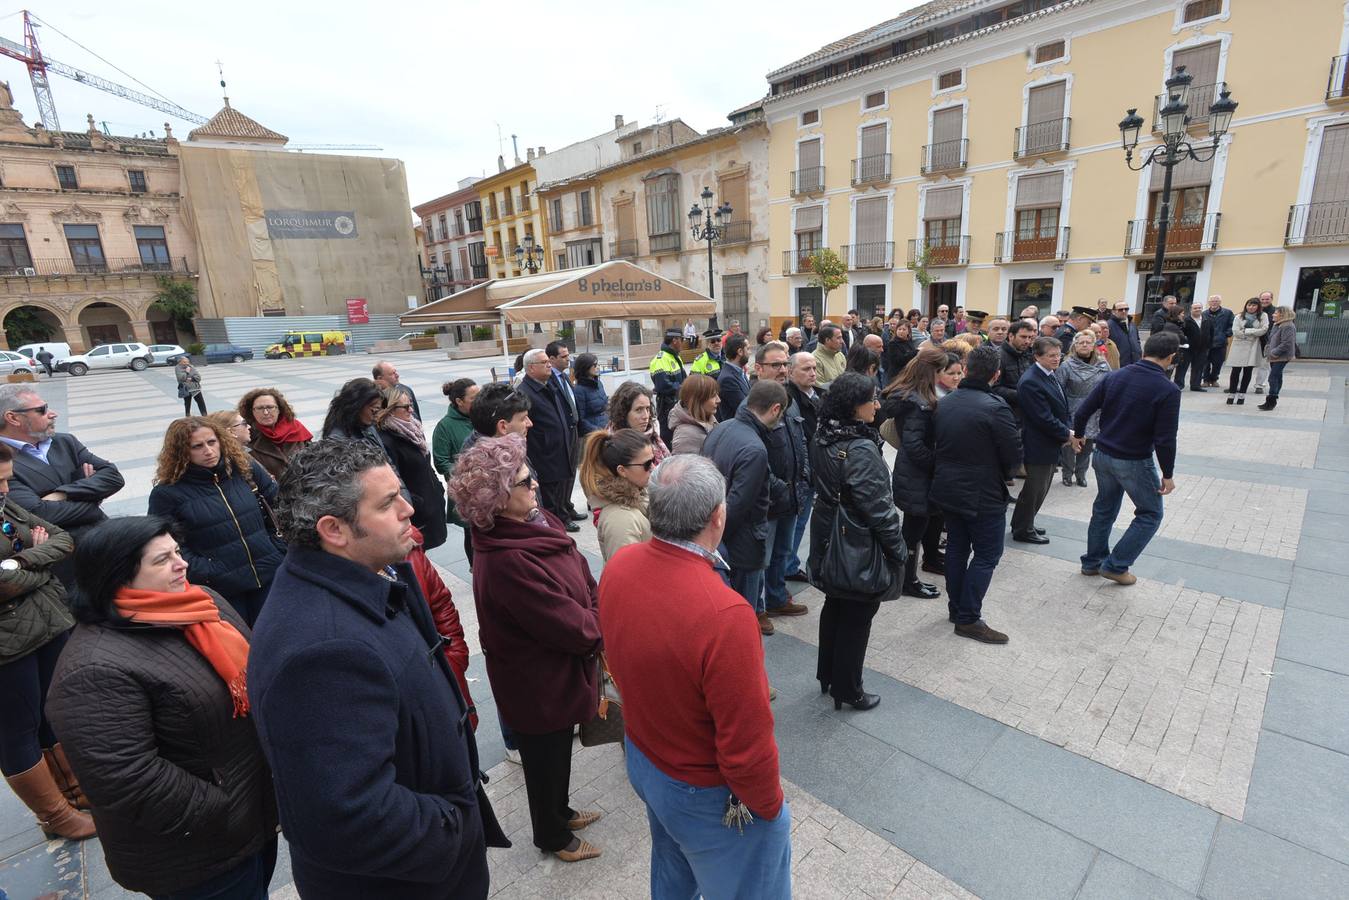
x: 110, y: 356
x: 166, y: 354
x: 18, y: 363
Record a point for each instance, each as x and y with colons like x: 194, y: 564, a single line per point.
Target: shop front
x: 1037, y: 292
x: 1322, y: 304
x: 1179, y: 275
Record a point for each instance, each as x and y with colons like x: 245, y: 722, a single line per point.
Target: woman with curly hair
x: 631, y: 406
x: 538, y: 619
x: 277, y: 434
x: 208, y: 485
x: 352, y: 412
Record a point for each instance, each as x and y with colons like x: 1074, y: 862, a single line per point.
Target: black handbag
x: 853, y: 564
x: 269, y: 520
x: 607, y: 726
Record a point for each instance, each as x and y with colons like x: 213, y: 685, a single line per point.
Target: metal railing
x: 49, y: 268
x: 1184, y: 234
x: 622, y: 249
x: 942, y: 251
x: 1026, y: 246
x: 808, y: 181
x: 1041, y: 138
x: 1200, y: 98
x: 478, y: 270
x: 797, y: 262
x: 474, y: 225
x: 664, y: 243
x: 1317, y: 223
x: 878, y: 255
x: 871, y: 169
x: 1337, y: 86
x: 524, y: 204
x: 734, y: 233
x: 945, y: 156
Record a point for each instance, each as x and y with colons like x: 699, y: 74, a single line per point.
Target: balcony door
x: 1039, y: 199
x: 1328, y: 214
x: 942, y: 210
x: 1044, y: 117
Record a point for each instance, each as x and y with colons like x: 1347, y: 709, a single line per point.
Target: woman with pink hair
x: 538, y: 618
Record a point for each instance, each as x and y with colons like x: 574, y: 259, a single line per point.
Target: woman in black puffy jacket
x: 848, y: 469
x: 405, y: 445
x: 911, y: 401
x: 208, y: 485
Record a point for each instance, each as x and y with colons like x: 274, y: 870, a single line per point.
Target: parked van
x: 59, y: 351
x: 308, y: 343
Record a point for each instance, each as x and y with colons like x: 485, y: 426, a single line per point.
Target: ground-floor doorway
x: 869, y: 300
x: 1180, y: 284
x: 1322, y: 304
x: 1037, y: 292
x: 941, y: 293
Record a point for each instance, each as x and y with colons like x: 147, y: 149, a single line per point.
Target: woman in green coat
x: 448, y: 439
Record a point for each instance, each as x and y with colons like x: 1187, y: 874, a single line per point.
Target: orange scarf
x: 215, y: 639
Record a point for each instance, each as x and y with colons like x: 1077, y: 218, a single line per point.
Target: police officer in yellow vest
x: 710, y: 360
x: 667, y: 376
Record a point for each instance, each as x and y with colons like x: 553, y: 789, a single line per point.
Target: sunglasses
x: 402, y: 406
x: 645, y: 465
x: 8, y: 530
x: 40, y: 410
x: 525, y: 482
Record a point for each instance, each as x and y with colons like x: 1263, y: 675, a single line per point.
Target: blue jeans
x: 692, y: 853
x: 747, y: 582
x: 1114, y: 478
x: 802, y: 521
x: 246, y: 881
x: 1276, y: 378
x: 967, y: 578
x: 780, y: 554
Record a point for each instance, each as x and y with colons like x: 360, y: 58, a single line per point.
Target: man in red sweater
x: 700, y: 747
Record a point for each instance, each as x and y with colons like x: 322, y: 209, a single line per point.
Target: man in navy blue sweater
x: 1140, y: 410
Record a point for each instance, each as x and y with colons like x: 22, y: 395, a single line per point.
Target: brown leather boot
x: 65, y: 776
x: 38, y: 791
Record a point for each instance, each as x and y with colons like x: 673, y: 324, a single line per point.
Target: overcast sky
x: 429, y: 82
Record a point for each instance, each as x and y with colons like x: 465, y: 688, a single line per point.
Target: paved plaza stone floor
x: 1184, y: 737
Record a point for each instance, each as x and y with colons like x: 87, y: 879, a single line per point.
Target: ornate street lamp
x: 707, y: 224
x: 529, y: 256
x: 434, y: 273
x: 1174, y: 149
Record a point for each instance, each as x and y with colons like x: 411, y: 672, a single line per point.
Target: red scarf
x: 219, y: 642
x: 285, y: 431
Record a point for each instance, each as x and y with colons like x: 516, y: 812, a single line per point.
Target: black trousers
x: 554, y: 496
x: 1240, y: 379
x: 187, y: 403
x: 546, y: 759
x: 1193, y: 362
x: 24, y: 730
x: 927, y: 531
x: 845, y: 628
x: 1214, y: 366
x: 1032, y: 497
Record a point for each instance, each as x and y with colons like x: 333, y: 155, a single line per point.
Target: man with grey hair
x: 385, y: 374
x: 699, y: 734
x: 55, y: 476
x: 377, y: 777
x: 552, y: 439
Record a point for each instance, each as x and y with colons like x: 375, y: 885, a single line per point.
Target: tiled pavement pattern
x: 1188, y: 736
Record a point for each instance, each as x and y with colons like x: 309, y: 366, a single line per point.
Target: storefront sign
x: 1171, y: 264
x: 310, y: 224
x: 357, y: 311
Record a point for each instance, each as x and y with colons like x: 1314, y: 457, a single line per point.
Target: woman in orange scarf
x: 151, y: 704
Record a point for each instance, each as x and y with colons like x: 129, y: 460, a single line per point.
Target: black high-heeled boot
x: 861, y: 704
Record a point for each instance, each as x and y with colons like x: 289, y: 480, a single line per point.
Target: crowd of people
x: 270, y: 649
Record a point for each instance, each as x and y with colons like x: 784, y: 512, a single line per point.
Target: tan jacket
x: 622, y: 517
x: 829, y: 364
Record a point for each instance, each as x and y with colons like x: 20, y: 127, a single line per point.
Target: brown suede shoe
x: 789, y: 608
x: 765, y: 625
x: 980, y: 631
x: 1124, y: 578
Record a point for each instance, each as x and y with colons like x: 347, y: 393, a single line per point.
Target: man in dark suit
x: 559, y: 358
x: 551, y: 440
x: 1199, y: 335
x: 1045, y: 428
x: 732, y: 382
x: 55, y: 476
x: 1125, y: 335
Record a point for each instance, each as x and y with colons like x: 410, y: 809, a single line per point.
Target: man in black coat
x: 802, y: 397
x: 1198, y: 335
x: 1125, y: 335
x: 1080, y: 318
x: 978, y: 447
x: 1014, y: 358
x: 376, y: 770
x: 1222, y: 320
x: 732, y: 382
x: 559, y: 360
x: 739, y: 449
x: 552, y: 438
x: 55, y: 476
x: 1045, y: 428
x: 788, y: 461
x: 1161, y: 314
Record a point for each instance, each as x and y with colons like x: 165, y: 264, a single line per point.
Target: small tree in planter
x: 827, y: 271
x: 567, y: 336
x: 920, y: 272
x: 179, y: 300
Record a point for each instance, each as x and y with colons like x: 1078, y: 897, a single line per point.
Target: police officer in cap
x: 710, y: 360
x: 976, y: 318
x: 667, y: 376
x: 1081, y: 317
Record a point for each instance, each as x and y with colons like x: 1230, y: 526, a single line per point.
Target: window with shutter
x: 953, y: 79
x: 948, y: 126
x: 1201, y: 9
x: 1044, y: 118
x: 872, y: 165
x: 1328, y: 214
x: 1202, y: 65
x: 942, y: 211
x: 873, y: 100
x: 1038, y: 200
x: 870, y: 250
x: 809, y: 231
x: 944, y: 203
x: 810, y: 117
x: 1033, y: 191
x: 663, y: 212
x: 1049, y: 52
x: 808, y: 154
x: 809, y: 175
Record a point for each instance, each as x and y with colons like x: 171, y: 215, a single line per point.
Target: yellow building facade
x: 509, y: 213
x: 977, y: 144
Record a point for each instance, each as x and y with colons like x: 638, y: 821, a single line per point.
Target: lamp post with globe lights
x: 708, y: 224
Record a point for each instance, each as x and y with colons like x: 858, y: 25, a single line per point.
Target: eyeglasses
x: 40, y: 410
x: 525, y: 482
x: 775, y: 365
x: 240, y: 424
x: 265, y: 409
x: 645, y: 465
x: 8, y: 530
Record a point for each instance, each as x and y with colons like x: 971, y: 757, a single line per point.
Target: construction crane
x: 30, y: 54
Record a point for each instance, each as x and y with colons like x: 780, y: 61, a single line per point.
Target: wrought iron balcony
x: 1029, y: 246
x: 524, y: 203
x: 1184, y: 234
x: 1200, y: 98
x: 622, y: 249
x: 941, y: 251
x: 60, y: 268
x: 478, y: 271
x: 945, y: 156
x: 474, y: 225
x: 1318, y: 223
x: 1337, y: 86
x: 508, y: 208
x: 871, y: 169
x: 1042, y: 138
x: 879, y: 255
x: 808, y: 181
x: 797, y: 262
x: 734, y: 233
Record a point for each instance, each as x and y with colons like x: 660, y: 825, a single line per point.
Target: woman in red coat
x: 538, y: 617
x: 446, y: 618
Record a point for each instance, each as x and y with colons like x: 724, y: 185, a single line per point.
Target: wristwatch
x: 10, y: 565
